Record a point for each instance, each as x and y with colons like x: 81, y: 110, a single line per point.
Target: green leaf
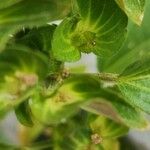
x: 97, y: 26
x: 137, y: 46
x: 23, y: 114
x: 15, y: 15
x: 108, y: 129
x: 133, y: 8
x: 134, y: 83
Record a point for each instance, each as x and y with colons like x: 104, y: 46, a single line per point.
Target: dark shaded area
x: 128, y: 143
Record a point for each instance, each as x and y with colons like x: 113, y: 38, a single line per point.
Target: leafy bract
x: 133, y: 8
x: 107, y: 128
x: 15, y: 15
x: 20, y: 71
x: 79, y: 91
x: 77, y: 132
x: 96, y: 26
x: 65, y: 102
x: 134, y: 83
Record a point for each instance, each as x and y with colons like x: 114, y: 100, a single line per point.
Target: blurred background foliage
x: 36, y: 86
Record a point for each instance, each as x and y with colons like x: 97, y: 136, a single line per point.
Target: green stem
x: 108, y: 76
x: 102, y: 76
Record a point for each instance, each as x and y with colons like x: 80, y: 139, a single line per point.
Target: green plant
x: 73, y: 110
